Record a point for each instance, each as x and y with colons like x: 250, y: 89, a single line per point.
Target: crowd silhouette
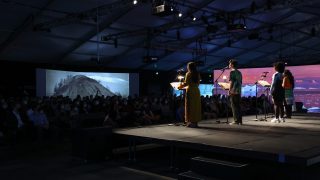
x: 38, y: 118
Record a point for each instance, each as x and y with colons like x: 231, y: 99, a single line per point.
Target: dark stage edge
x: 297, y: 141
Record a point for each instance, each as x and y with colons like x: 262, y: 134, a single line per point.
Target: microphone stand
x: 263, y: 75
x: 216, y: 83
x: 256, y: 84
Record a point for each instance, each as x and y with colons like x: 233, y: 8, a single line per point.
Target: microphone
x: 180, y: 70
x: 227, y: 67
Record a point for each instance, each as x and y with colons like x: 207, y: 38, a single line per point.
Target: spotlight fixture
x: 162, y: 8
x: 150, y: 59
x: 236, y: 27
x: 135, y: 2
x: 240, y: 25
x: 180, y: 14
x: 194, y: 18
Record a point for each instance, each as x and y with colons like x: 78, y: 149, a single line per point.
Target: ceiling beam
x: 23, y: 26
x: 267, y: 41
x: 292, y: 44
x: 312, y: 20
x: 242, y: 37
x: 102, y: 26
x: 167, y: 26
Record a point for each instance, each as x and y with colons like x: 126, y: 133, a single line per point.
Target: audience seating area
x: 54, y: 118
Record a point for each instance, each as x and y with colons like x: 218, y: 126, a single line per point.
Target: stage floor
x: 297, y: 141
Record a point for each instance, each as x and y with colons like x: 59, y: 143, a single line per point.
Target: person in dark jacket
x: 277, y: 92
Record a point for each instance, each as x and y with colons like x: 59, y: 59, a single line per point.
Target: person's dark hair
x: 287, y: 73
x: 195, y: 77
x: 279, y: 67
x: 234, y: 63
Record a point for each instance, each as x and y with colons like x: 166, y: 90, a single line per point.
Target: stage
x: 297, y: 141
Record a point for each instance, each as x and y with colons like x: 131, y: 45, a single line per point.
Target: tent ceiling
x: 117, y: 34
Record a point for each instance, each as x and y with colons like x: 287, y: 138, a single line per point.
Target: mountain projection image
x: 72, y: 84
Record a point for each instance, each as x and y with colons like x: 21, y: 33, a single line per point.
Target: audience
x: 33, y: 118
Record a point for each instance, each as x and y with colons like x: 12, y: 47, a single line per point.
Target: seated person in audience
x: 40, y: 122
x: 14, y: 124
x: 148, y: 116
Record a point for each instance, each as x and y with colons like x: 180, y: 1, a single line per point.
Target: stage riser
x: 218, y: 168
x: 295, y: 142
x: 189, y: 175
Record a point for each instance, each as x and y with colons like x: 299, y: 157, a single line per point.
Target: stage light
x: 194, y: 18
x: 236, y: 27
x: 180, y: 14
x: 162, y: 8
x: 150, y: 59
x: 157, y: 73
x: 135, y: 2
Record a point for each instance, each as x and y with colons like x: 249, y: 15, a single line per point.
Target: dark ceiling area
x: 140, y: 35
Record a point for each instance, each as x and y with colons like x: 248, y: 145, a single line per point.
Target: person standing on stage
x: 235, y: 79
x: 192, y: 97
x: 277, y: 92
x: 288, y: 85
